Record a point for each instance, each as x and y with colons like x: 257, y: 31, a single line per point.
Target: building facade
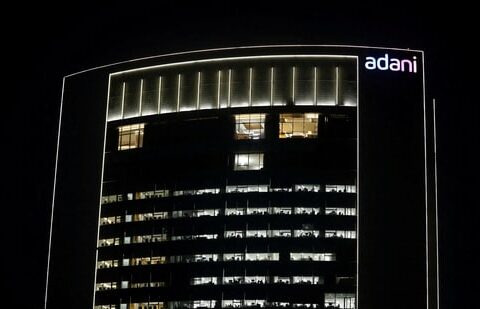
x: 277, y: 176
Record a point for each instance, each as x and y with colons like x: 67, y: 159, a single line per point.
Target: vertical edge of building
x: 76, y: 194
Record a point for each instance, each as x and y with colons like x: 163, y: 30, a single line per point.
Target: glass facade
x: 206, y: 213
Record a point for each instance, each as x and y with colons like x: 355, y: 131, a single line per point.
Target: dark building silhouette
x: 277, y: 176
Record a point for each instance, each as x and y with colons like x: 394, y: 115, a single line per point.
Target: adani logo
x: 391, y: 64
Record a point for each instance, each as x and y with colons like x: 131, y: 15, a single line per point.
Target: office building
x: 253, y: 177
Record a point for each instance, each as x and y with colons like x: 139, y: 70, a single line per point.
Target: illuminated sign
x: 393, y: 64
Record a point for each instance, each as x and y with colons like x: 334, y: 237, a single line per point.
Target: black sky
x: 43, y: 44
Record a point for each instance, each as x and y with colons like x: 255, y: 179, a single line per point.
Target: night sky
x: 42, y: 45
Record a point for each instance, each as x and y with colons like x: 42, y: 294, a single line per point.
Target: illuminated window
x: 306, y: 233
x: 307, y: 188
x: 233, y: 256
x: 281, y: 233
x: 340, y: 234
x: 233, y: 303
x: 261, y: 256
x: 147, y: 260
x: 194, y: 213
x: 138, y: 239
x: 250, y: 126
x: 130, y: 136
x: 340, y: 300
x: 255, y: 303
x: 248, y: 161
x: 147, y: 216
x: 244, y: 303
x: 109, y: 242
x: 112, y: 198
x: 203, y: 304
x: 303, y: 305
x: 298, y: 125
x: 107, y: 264
x: 282, y: 210
x: 306, y: 211
x: 207, y: 191
x: 192, y: 304
x: 149, y: 305
x: 257, y: 233
x: 280, y: 189
x: 307, y: 280
x: 206, y: 212
x: 203, y: 281
x: 193, y: 258
x: 151, y: 194
x: 233, y: 280
x: 340, y: 211
x: 256, y: 279
x: 106, y: 286
x: 110, y: 220
x: 277, y: 279
x: 309, y: 256
x: 196, y: 192
x: 341, y: 188
x: 234, y: 234
x: 246, y: 188
x: 182, y: 213
x: 196, y: 236
x: 237, y: 211
x: 139, y: 285
x: 257, y: 211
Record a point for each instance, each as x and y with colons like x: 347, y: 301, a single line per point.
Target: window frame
x: 294, y: 120
x: 133, y: 135
x: 249, y: 120
x: 254, y: 161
